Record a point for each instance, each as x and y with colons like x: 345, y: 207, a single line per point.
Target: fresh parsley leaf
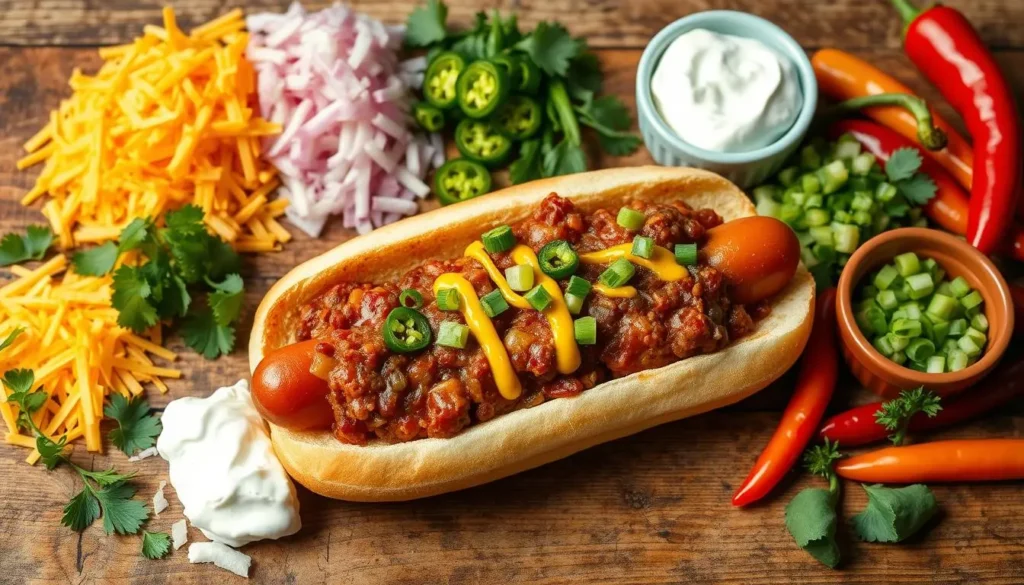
x: 564, y: 159
x: 222, y: 258
x: 131, y: 299
x: 19, y: 381
x: 902, y: 164
x: 81, y: 511
x: 11, y: 337
x: 528, y: 166
x: 894, y: 514
x: 811, y: 519
x: 33, y: 401
x: 136, y: 428
x: 51, y: 452
x: 32, y: 246
x: 919, y: 188
x: 425, y: 25
x: 551, y: 48
x: 201, y: 332
x: 155, y: 545
x: 226, y: 299
x: 895, y: 415
x: 121, y: 513
x: 105, y: 477
x: 96, y: 261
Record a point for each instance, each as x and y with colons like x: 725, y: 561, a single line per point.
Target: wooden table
x: 653, y: 508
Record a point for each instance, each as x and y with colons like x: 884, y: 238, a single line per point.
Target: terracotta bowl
x: 958, y: 258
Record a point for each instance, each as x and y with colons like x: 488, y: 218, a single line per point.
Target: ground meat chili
x: 439, y: 391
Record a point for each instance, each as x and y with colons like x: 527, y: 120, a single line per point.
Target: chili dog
x: 483, y: 339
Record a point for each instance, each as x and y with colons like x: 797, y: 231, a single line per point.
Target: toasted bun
x: 529, y: 437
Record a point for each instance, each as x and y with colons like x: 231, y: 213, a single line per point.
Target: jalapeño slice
x: 481, y: 88
x: 519, y: 118
x: 558, y: 260
x: 461, y: 179
x: 428, y: 116
x: 481, y: 141
x: 406, y: 330
x: 439, y: 83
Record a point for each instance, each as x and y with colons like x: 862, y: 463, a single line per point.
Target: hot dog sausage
x: 757, y: 255
x: 287, y: 394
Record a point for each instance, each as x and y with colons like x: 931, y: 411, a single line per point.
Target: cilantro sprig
x: 811, y: 516
x: 895, y: 415
x: 20, y: 384
x: 31, y: 246
x: 894, y: 514
x: 136, y: 428
x: 902, y: 170
x: 179, y: 260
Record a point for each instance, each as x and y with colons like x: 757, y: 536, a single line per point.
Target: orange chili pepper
x: 949, y: 461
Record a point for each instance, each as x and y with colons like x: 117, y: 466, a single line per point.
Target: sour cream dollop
x: 726, y: 93
x: 224, y: 470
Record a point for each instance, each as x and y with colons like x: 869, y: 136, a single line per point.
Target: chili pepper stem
x: 833, y: 488
x: 908, y: 12
x: 928, y: 134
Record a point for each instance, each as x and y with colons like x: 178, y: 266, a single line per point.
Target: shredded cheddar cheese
x: 78, y: 353
x: 168, y: 120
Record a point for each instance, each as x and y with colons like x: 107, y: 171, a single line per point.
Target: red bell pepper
x: 947, y: 49
x: 819, y: 369
x: 857, y: 426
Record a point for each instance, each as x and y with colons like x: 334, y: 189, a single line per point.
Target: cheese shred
x: 170, y: 119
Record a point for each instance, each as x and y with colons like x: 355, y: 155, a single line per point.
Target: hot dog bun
x: 534, y: 436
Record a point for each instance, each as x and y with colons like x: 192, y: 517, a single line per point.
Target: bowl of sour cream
x: 725, y: 91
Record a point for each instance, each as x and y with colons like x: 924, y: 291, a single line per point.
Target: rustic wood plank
x: 605, y: 23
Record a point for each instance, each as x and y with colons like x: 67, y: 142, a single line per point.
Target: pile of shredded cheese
x: 170, y: 119
x: 71, y: 341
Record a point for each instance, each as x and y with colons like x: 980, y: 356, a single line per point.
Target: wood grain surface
x: 653, y: 508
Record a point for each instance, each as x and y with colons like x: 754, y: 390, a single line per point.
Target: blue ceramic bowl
x: 746, y: 169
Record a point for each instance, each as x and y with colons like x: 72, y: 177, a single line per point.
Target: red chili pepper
x: 857, y: 426
x: 949, y: 207
x: 964, y: 460
x: 947, y: 49
x: 815, y: 381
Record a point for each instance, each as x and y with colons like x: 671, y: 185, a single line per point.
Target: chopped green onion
x: 448, y: 299
x: 585, y: 329
x: 817, y: 218
x: 972, y: 300
x: 912, y: 311
x: 957, y: 327
x: 956, y: 360
x: 520, y: 277
x: 899, y: 357
x: 968, y: 346
x: 499, y: 239
x: 833, y: 176
x: 847, y: 149
x: 887, y: 300
x: 643, y: 247
x: 494, y: 303
x: 978, y: 337
x: 788, y: 176
x: 920, y: 350
x: 980, y: 322
x: 941, y: 306
x: 452, y: 334
x: 630, y: 219
x: 940, y: 331
x: 810, y: 184
x: 936, y: 364
x: 886, y: 277
x: 907, y: 264
x: 411, y: 298
x: 883, y: 346
x: 959, y: 287
x: 578, y: 286
x: 862, y: 163
x: 574, y: 303
x: 686, y: 254
x: 886, y: 192
x: 847, y: 237
x: 618, y: 273
x: 920, y: 285
x: 898, y: 342
x: 538, y: 297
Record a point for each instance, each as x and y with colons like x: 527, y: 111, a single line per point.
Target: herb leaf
x: 202, y: 333
x: 121, y: 513
x: 564, y: 159
x: 131, y: 299
x: 919, y: 188
x: 551, y: 47
x: 896, y: 414
x: 96, y: 261
x: 137, y: 429
x: 894, y: 514
x: 106, y: 477
x: 11, y: 337
x: 155, y: 545
x: 426, y: 24
x: 610, y: 118
x: 528, y: 166
x: 81, y: 511
x: 32, y: 246
x: 51, y: 452
x: 902, y: 164
x: 811, y: 519
x: 226, y: 300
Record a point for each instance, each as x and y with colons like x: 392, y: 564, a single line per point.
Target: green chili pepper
x: 481, y: 141
x: 461, y: 179
x: 510, y: 63
x: 496, y: 37
x: 406, y: 330
x: 558, y: 260
x: 529, y: 76
x: 519, y: 118
x: 439, y: 84
x: 481, y: 88
x: 428, y: 116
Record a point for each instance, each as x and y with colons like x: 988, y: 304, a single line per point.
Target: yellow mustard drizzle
x: 662, y: 261
x: 619, y: 292
x: 484, y: 332
x: 567, y: 353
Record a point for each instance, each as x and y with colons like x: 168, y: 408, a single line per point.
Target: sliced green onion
x: 886, y: 192
x: 686, y: 254
x: 936, y: 364
x: 520, y: 277
x: 956, y: 360
x: 907, y: 264
x: 887, y: 299
x: 810, y: 184
x: 959, y: 287
x: 957, y: 327
x: 912, y: 311
x: 577, y: 286
x: 847, y: 237
x: 898, y: 342
x: 494, y: 303
x: 940, y: 331
x: 968, y: 346
x: 980, y: 322
x: 833, y: 176
x: 817, y: 218
x: 883, y: 346
x: 538, y: 297
x: 643, y: 247
x: 972, y: 300
x: 899, y: 357
x: 448, y: 299
x: 977, y: 336
x: 847, y: 149
x: 949, y: 345
x: 411, y: 298
x: 630, y: 219
x: 886, y: 277
x: 585, y: 329
x: 452, y: 334
x: 788, y: 176
x: 574, y: 303
x: 920, y: 350
x: 941, y: 306
x: 499, y: 239
x: 814, y: 202
x: 920, y: 285
x: 862, y: 163
x: 618, y: 273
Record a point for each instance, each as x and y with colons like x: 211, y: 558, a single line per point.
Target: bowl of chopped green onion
x: 922, y: 307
